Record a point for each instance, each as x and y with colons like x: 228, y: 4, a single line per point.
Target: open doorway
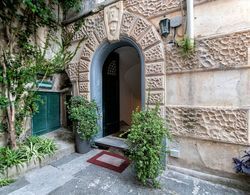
x: 121, y: 89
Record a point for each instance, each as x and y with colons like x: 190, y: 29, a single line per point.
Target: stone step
x: 111, y: 141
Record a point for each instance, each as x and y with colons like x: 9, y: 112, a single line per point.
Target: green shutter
x: 48, y: 117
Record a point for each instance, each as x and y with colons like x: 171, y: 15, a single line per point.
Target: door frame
x: 96, y: 74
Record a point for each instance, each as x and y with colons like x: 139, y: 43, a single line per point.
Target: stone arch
x: 135, y: 28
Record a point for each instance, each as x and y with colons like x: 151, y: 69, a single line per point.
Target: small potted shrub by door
x: 84, y: 116
x: 146, y: 148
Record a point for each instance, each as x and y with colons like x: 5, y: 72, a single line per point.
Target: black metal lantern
x: 165, y: 27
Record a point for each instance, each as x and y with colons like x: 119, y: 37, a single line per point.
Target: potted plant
x: 146, y: 148
x: 84, y: 115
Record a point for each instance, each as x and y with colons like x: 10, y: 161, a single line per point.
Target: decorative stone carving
x: 113, y: 18
x: 150, y: 38
x: 140, y: 27
x: 91, y: 42
x: 219, y: 124
x: 156, y: 68
x: 155, y: 8
x: 92, y: 24
x: 83, y: 65
x: 77, y: 35
x: 83, y: 86
x: 86, y: 53
x: 84, y: 76
x: 99, y: 28
x: 127, y: 22
x: 153, y: 83
x: 223, y: 52
x: 154, y: 98
x: 73, y: 71
x: 154, y: 53
x: 143, y: 33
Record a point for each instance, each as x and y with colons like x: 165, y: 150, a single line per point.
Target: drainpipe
x: 190, y: 20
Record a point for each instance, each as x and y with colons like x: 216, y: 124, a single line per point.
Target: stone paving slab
x: 65, y: 160
x: 72, y: 175
x: 21, y: 182
x: 100, y: 181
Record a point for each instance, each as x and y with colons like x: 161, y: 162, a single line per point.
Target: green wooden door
x: 48, y: 117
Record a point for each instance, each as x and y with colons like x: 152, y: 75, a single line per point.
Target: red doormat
x: 110, y: 161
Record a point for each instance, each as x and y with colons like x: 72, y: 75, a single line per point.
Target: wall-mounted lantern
x: 165, y: 27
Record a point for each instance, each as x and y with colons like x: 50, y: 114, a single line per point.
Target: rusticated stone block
x: 153, y: 83
x: 154, y: 8
x: 151, y: 8
x: 83, y: 86
x: 91, y: 42
x: 154, y: 53
x: 154, y: 98
x: 149, y: 39
x: 140, y: 27
x: 99, y: 27
x: 83, y: 65
x: 154, y: 68
x: 72, y: 71
x: 127, y: 23
x: 223, y: 52
x: 84, y: 76
x: 80, y: 34
x: 86, y: 53
x: 219, y: 124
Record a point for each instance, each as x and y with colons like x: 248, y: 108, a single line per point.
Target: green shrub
x: 187, y: 47
x: 146, y: 146
x: 6, y: 181
x: 9, y: 158
x: 84, y: 115
x: 33, y: 147
x: 37, y: 147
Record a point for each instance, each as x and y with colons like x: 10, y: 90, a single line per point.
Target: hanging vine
x: 23, y: 54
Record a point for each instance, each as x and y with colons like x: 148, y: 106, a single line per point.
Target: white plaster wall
x: 215, y: 88
x: 221, y: 16
x: 129, y: 82
x: 214, y: 17
x: 206, y: 156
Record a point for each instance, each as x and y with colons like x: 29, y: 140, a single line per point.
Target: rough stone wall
x: 221, y: 124
x: 220, y: 52
x: 153, y: 8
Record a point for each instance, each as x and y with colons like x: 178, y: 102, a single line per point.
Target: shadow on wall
x: 130, y: 82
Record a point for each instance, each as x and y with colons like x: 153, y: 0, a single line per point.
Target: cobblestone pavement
x: 73, y: 175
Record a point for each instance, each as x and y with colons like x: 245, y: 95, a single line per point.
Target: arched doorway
x: 85, y: 70
x: 121, y: 78
x: 117, y: 84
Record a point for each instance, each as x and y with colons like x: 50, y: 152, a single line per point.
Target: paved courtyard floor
x: 73, y: 175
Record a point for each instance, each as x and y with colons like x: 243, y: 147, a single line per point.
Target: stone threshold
x: 111, y: 141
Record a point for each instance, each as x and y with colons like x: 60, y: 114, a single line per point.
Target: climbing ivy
x: 24, y: 55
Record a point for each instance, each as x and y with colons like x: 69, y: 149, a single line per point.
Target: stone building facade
x: 205, y: 97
